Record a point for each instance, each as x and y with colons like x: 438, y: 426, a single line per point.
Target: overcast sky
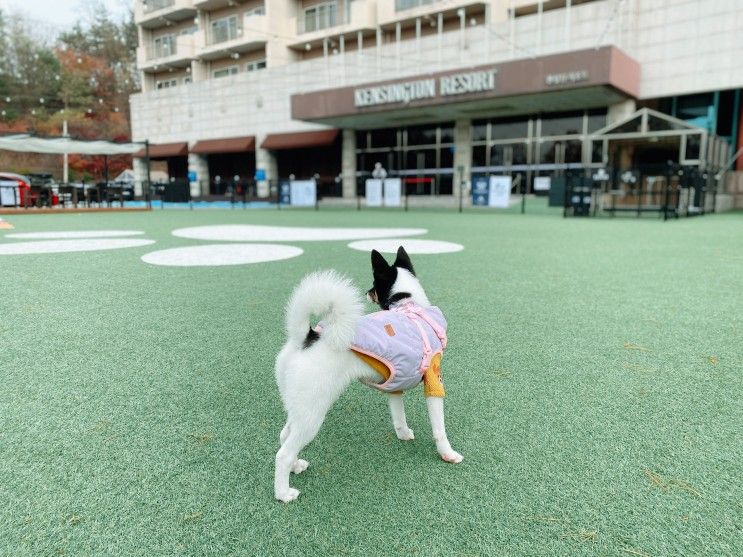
x: 60, y: 14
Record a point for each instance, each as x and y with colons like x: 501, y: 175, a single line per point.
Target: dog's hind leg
x: 397, y: 409
x: 436, y: 414
x: 284, y: 433
x: 301, y: 433
x: 299, y: 465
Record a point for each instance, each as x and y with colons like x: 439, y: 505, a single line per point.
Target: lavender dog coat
x: 405, y: 339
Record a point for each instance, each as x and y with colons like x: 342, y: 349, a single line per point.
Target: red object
x: 24, y: 188
x: 55, y: 199
x: 418, y: 180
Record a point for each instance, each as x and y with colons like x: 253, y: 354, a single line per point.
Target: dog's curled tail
x: 331, y: 297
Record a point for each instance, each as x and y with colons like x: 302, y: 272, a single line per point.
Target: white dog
x: 391, y: 350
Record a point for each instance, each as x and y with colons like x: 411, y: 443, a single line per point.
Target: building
x: 437, y: 91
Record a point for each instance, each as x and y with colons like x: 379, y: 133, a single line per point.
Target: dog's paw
x: 288, y: 496
x: 452, y: 456
x: 404, y: 434
x: 300, y: 466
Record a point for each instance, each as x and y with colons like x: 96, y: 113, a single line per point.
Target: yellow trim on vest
x: 375, y: 364
x: 432, y: 384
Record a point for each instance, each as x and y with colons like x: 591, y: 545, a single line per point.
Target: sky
x: 59, y: 14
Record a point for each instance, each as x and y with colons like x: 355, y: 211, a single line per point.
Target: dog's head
x: 394, y: 282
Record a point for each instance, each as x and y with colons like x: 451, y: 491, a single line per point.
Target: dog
x: 317, y: 363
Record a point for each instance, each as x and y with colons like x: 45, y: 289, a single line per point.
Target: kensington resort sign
x: 408, y: 91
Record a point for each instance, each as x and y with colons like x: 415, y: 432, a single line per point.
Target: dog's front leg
x: 436, y: 414
x: 397, y: 409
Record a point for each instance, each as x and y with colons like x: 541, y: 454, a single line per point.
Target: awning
x: 299, y: 140
x: 227, y: 145
x: 24, y: 143
x: 164, y: 150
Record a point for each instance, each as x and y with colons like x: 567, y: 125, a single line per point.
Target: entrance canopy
x: 577, y: 80
x: 163, y: 151
x: 649, y: 129
x: 25, y: 143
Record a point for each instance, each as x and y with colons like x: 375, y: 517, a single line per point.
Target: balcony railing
x: 223, y: 34
x: 401, y: 5
x: 162, y: 50
x: 154, y: 5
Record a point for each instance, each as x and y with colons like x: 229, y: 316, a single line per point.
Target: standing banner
x: 303, y: 193
x: 542, y: 183
x: 392, y: 192
x: 373, y: 192
x: 500, y: 191
x: 480, y: 191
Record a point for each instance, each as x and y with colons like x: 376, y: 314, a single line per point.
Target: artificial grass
x: 593, y: 387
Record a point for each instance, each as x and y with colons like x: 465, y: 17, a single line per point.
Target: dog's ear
x: 379, y: 263
x: 403, y: 260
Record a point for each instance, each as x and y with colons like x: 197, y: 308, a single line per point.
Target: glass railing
x: 162, y: 50
x: 154, y: 5
x: 401, y: 5
x: 224, y: 33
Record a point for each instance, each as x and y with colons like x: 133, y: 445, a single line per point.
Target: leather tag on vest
x: 389, y: 330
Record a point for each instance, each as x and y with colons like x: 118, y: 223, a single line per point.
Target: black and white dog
x: 316, y: 365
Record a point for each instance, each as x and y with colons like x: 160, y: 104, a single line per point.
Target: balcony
x: 176, y: 53
x: 246, y: 34
x: 407, y: 11
x: 153, y: 14
x: 344, y: 18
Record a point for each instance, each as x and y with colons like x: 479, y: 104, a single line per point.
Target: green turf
x: 593, y: 379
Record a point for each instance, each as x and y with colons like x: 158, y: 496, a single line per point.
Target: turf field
x: 593, y: 386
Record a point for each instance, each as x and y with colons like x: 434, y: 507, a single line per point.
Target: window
x: 225, y: 29
x: 255, y: 65
x: 166, y: 83
x: 320, y: 16
x: 187, y: 80
x: 164, y: 46
x: 224, y: 72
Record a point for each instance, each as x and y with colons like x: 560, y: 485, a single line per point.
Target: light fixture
x: 307, y: 46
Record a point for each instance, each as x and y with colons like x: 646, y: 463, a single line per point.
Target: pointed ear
x: 379, y: 263
x: 403, y: 260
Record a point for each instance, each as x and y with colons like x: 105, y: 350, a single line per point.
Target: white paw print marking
x: 71, y: 241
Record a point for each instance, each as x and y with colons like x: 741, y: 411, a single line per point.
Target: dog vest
x: 404, y: 345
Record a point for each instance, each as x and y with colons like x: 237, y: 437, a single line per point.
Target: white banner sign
x: 373, y: 193
x: 542, y: 183
x: 9, y: 194
x: 392, y: 192
x: 303, y: 193
x: 500, y: 191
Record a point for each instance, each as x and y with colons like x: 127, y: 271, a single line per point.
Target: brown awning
x: 226, y: 145
x: 298, y: 140
x: 164, y: 150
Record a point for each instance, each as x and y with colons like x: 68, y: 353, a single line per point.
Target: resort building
x: 436, y: 91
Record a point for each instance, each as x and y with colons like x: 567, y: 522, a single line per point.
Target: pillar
x: 140, y: 175
x: 462, y: 154
x: 348, y: 165
x: 620, y: 111
x: 265, y: 160
x: 198, y: 165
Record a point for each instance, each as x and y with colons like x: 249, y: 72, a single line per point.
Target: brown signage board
x: 606, y: 67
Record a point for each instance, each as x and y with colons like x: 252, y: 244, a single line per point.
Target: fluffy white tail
x: 331, y: 297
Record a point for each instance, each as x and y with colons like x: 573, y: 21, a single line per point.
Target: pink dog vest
x: 404, y: 339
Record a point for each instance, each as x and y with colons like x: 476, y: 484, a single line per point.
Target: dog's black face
x: 385, y: 276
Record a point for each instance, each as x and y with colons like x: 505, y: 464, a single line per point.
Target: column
x: 620, y: 111
x: 462, y: 154
x: 265, y: 160
x: 140, y: 175
x: 199, y: 166
x: 348, y: 164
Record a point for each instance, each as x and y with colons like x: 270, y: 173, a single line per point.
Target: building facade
x: 436, y: 91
